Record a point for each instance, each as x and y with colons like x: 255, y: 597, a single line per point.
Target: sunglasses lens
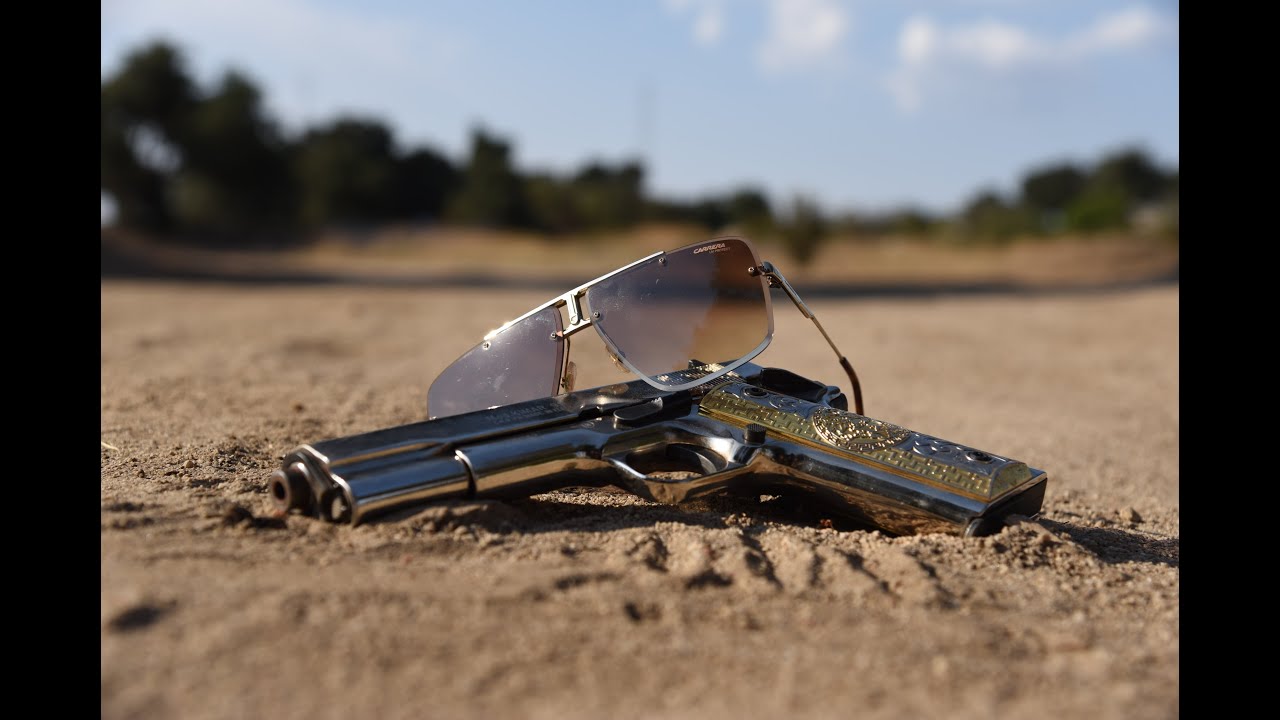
x: 521, y: 362
x: 697, y: 308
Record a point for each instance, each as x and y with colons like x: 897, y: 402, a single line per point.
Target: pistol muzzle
x: 289, y: 488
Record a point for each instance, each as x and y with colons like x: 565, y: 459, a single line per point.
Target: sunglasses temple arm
x: 777, y: 280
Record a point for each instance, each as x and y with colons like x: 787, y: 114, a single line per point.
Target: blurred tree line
x: 1123, y: 191
x: 183, y: 161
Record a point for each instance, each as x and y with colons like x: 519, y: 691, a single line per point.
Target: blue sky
x: 860, y: 104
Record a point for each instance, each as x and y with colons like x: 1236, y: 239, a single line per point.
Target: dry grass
x: 400, y: 251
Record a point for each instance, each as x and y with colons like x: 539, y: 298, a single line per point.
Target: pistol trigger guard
x: 626, y: 470
x: 663, y: 490
x: 672, y: 472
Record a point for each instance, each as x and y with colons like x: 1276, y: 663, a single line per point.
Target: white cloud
x: 799, y: 33
x: 802, y: 33
x: 994, y: 45
x: 708, y: 18
x: 931, y: 56
x: 709, y: 25
x: 1127, y: 29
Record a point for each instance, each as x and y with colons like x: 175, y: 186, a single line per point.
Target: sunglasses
x: 678, y: 319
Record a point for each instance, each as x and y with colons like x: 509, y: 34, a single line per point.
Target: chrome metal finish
x: 351, y: 488
x: 575, y: 312
x: 570, y: 299
x: 578, y: 320
x: 776, y: 279
x: 741, y: 431
x: 575, y: 329
x: 290, y: 487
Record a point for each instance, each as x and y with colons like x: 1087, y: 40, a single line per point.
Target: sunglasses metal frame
x: 580, y: 320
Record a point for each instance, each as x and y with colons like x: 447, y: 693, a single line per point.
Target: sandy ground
x: 591, y: 604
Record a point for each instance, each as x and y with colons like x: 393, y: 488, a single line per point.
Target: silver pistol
x: 757, y: 430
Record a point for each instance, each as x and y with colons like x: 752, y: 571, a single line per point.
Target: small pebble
x: 1130, y: 515
x: 189, y: 464
x: 940, y: 666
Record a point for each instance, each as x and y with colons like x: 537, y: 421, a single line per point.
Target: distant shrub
x: 803, y: 232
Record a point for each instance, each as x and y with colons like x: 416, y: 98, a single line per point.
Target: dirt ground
x: 594, y: 604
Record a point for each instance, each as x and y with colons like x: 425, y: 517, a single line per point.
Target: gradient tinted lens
x: 698, y: 305
x: 522, y: 362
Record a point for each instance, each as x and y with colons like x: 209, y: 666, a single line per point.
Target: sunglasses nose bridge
x: 572, y: 302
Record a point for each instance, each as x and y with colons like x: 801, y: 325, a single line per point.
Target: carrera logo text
x: 710, y: 248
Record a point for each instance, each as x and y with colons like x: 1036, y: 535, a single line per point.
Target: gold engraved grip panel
x: 939, y: 463
x: 855, y: 433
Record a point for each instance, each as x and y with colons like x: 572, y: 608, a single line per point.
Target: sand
x: 594, y: 604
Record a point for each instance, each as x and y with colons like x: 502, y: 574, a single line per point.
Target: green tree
x: 749, y: 208
x: 1048, y: 191
x: 424, y: 182
x: 140, y: 192
x: 1131, y: 173
x: 711, y: 212
x: 491, y: 192
x: 234, y: 176
x: 607, y: 197
x: 145, y: 111
x: 911, y: 221
x: 989, y: 217
x: 345, y: 172
x: 153, y: 87
x: 550, y: 204
x: 1121, y: 182
x: 804, y: 230
x: 1052, y: 187
x: 1100, y: 207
